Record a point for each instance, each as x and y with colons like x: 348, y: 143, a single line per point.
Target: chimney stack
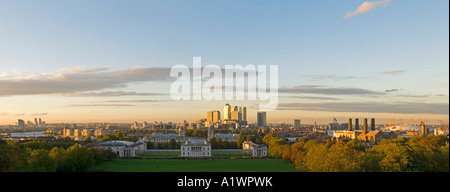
x: 365, y: 125
x: 372, y: 124
x: 356, y: 124
x: 349, y: 124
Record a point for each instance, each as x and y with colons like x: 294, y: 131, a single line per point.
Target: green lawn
x: 197, y: 165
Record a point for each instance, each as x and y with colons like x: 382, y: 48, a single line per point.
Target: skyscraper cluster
x: 234, y: 114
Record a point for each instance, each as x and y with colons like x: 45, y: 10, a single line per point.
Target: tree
x: 275, y: 145
x: 9, y: 158
x: 102, y: 154
x: 77, y: 159
x: 173, y: 144
x: 287, y: 153
x: 40, y: 161
x: 150, y: 145
x: 240, y: 140
x: 442, y: 159
x: 213, y: 142
x: 119, y: 135
x: 57, y: 154
x: 394, y: 156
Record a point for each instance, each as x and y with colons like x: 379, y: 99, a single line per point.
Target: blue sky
x: 401, y: 46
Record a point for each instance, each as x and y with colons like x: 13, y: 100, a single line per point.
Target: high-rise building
x: 236, y: 116
x: 40, y: 122
x: 227, y: 112
x: 216, y: 116
x: 356, y: 124
x: 21, y: 124
x: 243, y: 112
x: 144, y: 124
x: 234, y: 108
x: 213, y: 116
x: 261, y: 119
x: 296, y: 123
x: 209, y: 116
x: 35, y: 121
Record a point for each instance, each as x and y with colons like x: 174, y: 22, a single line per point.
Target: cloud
x: 366, y: 7
x: 4, y: 114
x: 80, y: 80
x: 391, y: 90
x: 116, y: 103
x: 135, y: 101
x: 38, y: 114
x: 86, y: 81
x: 82, y: 69
x: 370, y: 107
x: 329, y: 77
x: 312, y: 98
x: 393, y: 72
x: 20, y: 114
x: 314, y: 89
x: 100, y: 105
x: 107, y: 93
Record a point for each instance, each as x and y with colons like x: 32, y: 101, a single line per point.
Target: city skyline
x: 335, y: 59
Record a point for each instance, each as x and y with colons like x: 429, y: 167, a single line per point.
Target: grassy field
x: 197, y: 165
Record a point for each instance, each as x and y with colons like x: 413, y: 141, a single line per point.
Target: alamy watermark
x: 213, y: 83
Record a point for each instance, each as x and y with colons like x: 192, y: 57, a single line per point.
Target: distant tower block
x: 349, y: 124
x: 423, y: 129
x: 227, y: 112
x: 261, y: 119
x: 365, y: 126
x: 296, y: 123
x: 356, y: 124
x: 372, y: 124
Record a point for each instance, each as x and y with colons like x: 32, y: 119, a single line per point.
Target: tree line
x: 417, y: 154
x: 42, y: 156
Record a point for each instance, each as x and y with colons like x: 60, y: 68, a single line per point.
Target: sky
x: 109, y: 61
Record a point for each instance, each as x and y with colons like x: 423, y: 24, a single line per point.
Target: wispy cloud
x: 100, y: 105
x: 87, y: 81
x: 134, y: 101
x: 329, y: 77
x: 108, y: 93
x: 117, y: 103
x: 366, y: 7
x: 38, y: 114
x: 312, y: 98
x: 391, y: 90
x: 370, y: 107
x: 393, y: 72
x: 80, y: 80
x: 315, y: 89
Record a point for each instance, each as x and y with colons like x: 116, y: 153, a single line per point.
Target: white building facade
x: 256, y: 150
x: 192, y: 149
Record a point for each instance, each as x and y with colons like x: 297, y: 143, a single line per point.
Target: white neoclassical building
x: 256, y: 150
x: 121, y: 148
x: 196, y: 149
